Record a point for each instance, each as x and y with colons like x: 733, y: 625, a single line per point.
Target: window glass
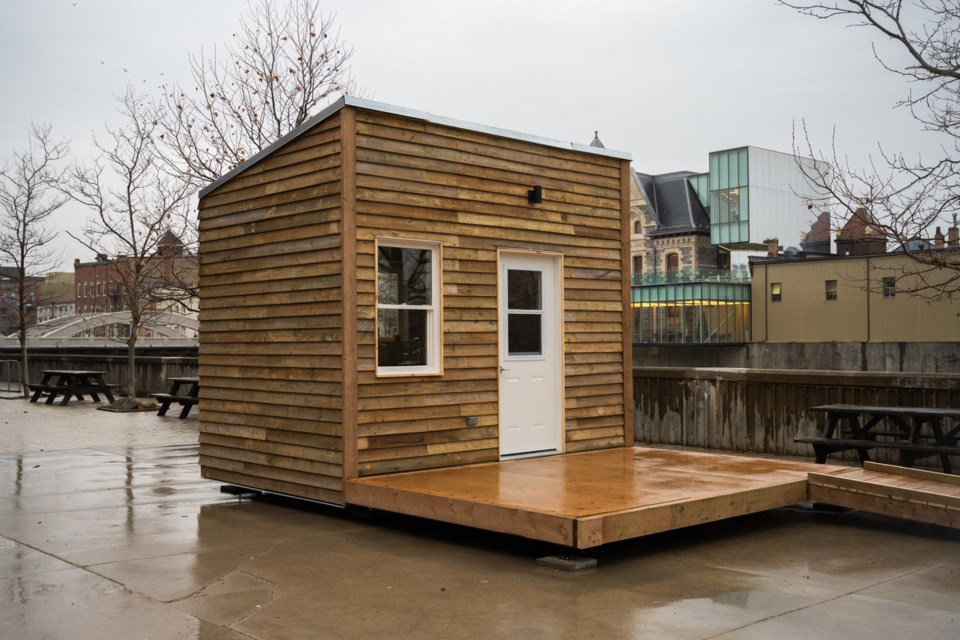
x: 524, y: 334
x: 525, y: 312
x: 408, y: 315
x: 889, y: 287
x: 402, y: 337
x: 831, y: 289
x: 775, y: 292
x: 524, y: 289
x: 404, y: 276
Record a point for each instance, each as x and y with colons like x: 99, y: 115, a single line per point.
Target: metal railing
x: 692, y: 275
x: 11, y: 379
x: 103, y: 343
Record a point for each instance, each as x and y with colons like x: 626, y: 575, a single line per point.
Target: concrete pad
x: 126, y: 541
x: 854, y: 615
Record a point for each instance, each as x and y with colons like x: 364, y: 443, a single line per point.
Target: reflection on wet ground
x: 124, y: 540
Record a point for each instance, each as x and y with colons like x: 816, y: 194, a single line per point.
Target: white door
x: 531, y: 399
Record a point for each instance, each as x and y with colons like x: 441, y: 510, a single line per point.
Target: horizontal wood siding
x: 468, y: 191
x: 270, y: 322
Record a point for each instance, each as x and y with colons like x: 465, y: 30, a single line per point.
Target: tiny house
x: 385, y: 290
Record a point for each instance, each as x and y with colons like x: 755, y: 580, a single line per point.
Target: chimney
x: 953, y: 236
x: 938, y: 239
x: 76, y: 261
x: 773, y: 247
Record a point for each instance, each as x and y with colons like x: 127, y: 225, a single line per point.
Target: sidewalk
x: 108, y: 531
x: 28, y: 427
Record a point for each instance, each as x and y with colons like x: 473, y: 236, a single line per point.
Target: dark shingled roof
x: 673, y: 203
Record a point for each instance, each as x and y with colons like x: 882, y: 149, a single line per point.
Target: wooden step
x: 911, y: 494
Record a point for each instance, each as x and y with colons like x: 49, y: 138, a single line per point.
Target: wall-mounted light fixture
x: 535, y: 195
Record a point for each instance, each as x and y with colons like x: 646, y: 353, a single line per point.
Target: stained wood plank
x: 591, y: 498
x: 912, y: 494
x: 254, y: 480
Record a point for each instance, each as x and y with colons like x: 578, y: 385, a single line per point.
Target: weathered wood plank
x: 933, y: 503
x: 209, y: 468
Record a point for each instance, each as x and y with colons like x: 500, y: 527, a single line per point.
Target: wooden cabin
x: 385, y: 290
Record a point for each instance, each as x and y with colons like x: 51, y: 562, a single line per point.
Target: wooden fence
x: 761, y: 411
x: 152, y: 371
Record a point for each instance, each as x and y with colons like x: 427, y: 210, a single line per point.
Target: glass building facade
x: 705, y: 307
x: 729, y: 204
x: 751, y: 195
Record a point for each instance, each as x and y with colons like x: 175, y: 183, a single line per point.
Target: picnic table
x: 915, y: 432
x: 185, y: 399
x: 71, y: 384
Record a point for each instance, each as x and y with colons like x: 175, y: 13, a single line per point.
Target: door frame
x: 558, y: 342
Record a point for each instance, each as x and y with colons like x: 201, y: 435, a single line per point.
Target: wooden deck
x: 583, y: 500
x: 912, y: 494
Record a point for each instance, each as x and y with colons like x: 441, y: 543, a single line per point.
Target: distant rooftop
x: 673, y: 202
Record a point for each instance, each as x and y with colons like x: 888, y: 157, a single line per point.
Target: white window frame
x: 434, y: 365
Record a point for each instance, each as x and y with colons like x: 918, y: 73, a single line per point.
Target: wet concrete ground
x: 107, y: 531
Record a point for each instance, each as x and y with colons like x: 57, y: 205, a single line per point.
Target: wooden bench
x: 909, y: 452
x: 40, y: 389
x: 166, y: 399
x: 55, y: 390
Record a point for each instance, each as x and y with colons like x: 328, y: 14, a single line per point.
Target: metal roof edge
x: 360, y: 103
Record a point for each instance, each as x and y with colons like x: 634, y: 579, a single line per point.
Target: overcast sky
x: 665, y: 80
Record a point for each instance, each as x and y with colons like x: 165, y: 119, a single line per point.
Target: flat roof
x: 349, y: 101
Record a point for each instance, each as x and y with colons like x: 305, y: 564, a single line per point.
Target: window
x: 524, y: 312
x: 673, y: 264
x: 637, y: 228
x: 408, y: 307
x: 775, y: 292
x: 889, y: 287
x: 638, y: 264
x: 728, y: 205
x: 831, y: 289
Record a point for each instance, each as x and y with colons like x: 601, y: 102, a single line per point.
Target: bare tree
x: 285, y: 63
x: 133, y: 204
x: 907, y: 198
x: 29, y: 195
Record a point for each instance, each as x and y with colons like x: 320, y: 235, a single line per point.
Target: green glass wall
x: 729, y: 202
x: 701, y: 186
x: 691, y: 313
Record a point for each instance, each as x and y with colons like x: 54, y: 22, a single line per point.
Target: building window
x: 831, y: 289
x: 408, y: 307
x: 638, y: 264
x: 673, y: 264
x: 637, y: 228
x: 728, y: 205
x: 775, y: 292
x: 889, y: 287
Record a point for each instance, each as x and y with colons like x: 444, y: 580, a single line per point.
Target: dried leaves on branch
x: 285, y: 63
x: 907, y: 198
